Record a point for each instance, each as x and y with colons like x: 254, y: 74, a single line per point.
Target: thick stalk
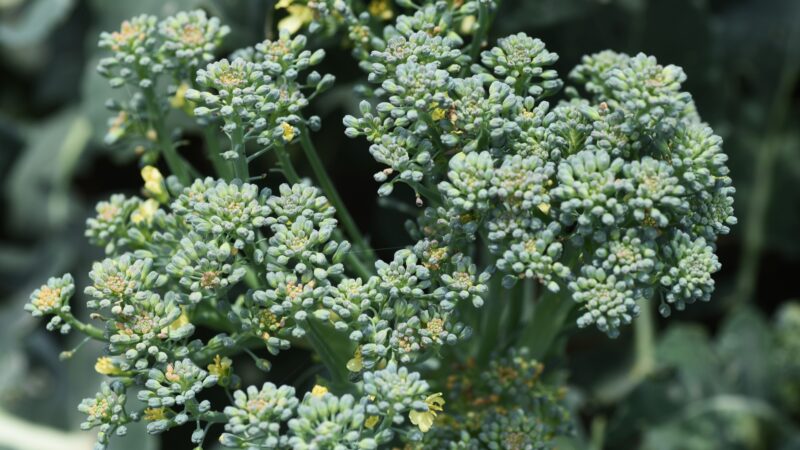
x: 334, y: 359
x: 330, y: 191
x: 644, y: 362
x: 516, y: 309
x: 491, y: 318
x: 549, y: 316
x: 165, y: 144
x: 240, y: 169
x: 644, y: 338
x: 286, y: 165
x: 482, y: 31
x: 485, y: 20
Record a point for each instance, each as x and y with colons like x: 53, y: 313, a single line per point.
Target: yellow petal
x: 299, y: 15
x: 371, y: 422
x: 424, y: 420
x: 544, y: 207
x: 319, y: 391
x: 179, y: 99
x: 105, y: 366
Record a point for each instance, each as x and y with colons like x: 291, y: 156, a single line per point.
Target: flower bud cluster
x: 609, y: 200
x: 503, y: 404
x: 259, y: 94
x: 143, y: 53
x: 547, y: 187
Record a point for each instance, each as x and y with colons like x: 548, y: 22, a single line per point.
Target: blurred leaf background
x: 723, y: 375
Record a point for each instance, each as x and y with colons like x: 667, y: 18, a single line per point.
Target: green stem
x: 240, y: 341
x: 432, y: 195
x: 208, y: 316
x: 165, y: 144
x: 240, y: 169
x: 89, y: 330
x: 221, y: 167
x: 598, y: 432
x: 516, y: 309
x: 335, y: 360
x: 333, y: 195
x: 353, y: 261
x: 548, y: 320
x: 286, y: 165
x: 765, y: 159
x: 644, y: 338
x: 621, y: 385
x: 484, y: 21
x: 213, y: 417
x: 491, y: 318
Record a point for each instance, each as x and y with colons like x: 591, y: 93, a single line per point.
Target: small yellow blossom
x: 127, y: 36
x: 117, y: 127
x: 299, y: 15
x: 105, y: 366
x: 153, y: 414
x: 357, y: 363
x: 182, y: 320
x: 468, y: 24
x: 178, y: 101
x: 438, y: 114
x: 154, y: 183
x: 371, y: 422
x: 319, y: 391
x: 145, y: 212
x: 381, y: 9
x: 170, y: 374
x: 544, y: 207
x: 288, y: 132
x: 221, y: 367
x: 424, y: 419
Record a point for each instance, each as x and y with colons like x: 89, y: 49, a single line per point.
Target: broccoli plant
x: 540, y: 202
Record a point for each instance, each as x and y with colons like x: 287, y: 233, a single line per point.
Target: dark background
x: 741, y: 56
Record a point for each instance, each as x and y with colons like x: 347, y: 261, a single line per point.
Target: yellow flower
x: 288, y: 132
x: 319, y: 391
x: 105, y: 366
x: 182, y: 320
x: 153, y: 414
x: 154, y: 183
x: 544, y: 207
x: 438, y: 114
x: 299, y: 15
x: 382, y: 9
x: 221, y: 367
x: 117, y: 127
x: 357, y: 363
x: 178, y: 101
x: 424, y: 419
x: 371, y: 422
x: 468, y: 24
x: 145, y: 212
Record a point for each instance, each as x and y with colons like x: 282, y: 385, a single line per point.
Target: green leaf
x: 35, y: 23
x: 41, y: 175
